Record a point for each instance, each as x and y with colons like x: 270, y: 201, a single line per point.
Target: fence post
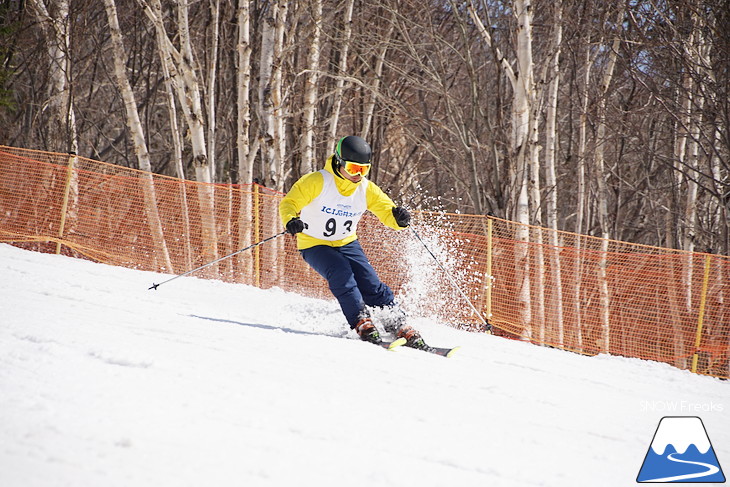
x: 64, y: 205
x: 257, y: 237
x: 701, y: 318
x: 489, y: 268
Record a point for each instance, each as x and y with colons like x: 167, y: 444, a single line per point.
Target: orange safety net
x: 558, y: 289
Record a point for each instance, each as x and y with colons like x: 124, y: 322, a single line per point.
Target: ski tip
x: 396, y: 343
x: 451, y: 352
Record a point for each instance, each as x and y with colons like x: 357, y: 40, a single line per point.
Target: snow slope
x: 103, y: 382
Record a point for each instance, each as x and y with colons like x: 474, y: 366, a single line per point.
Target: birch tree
x: 601, y: 177
x: 53, y: 18
x: 61, y: 131
x: 696, y: 50
x: 134, y: 125
x: 277, y: 97
x: 585, y: 71
x: 243, y: 127
x: 344, y: 45
x: 551, y: 199
x: 243, y: 87
x: 215, y: 7
x: 271, y: 109
x: 374, y: 88
x: 180, y: 64
x: 310, y: 89
x: 523, y: 137
x: 265, y: 103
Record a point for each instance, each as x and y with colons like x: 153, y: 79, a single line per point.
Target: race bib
x: 332, y: 216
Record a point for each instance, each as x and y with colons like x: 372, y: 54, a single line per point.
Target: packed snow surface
x: 203, y: 383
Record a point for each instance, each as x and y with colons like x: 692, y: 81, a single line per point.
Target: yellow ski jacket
x: 309, y: 186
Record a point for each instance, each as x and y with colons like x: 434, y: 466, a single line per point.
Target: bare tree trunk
x: 174, y: 127
x: 375, y: 86
x: 243, y: 137
x: 341, y: 73
x: 212, y: 73
x: 582, y: 142
x: 192, y: 96
x: 583, y: 198
x: 522, y: 247
x: 266, y: 108
x: 681, y: 135
x: 603, y: 195
x: 601, y: 131
x: 721, y: 221
x: 523, y: 87
x: 271, y: 109
x: 185, y: 80
x: 310, y: 90
x: 243, y: 120
x: 61, y: 131
x: 137, y: 133
x: 695, y: 51
x: 277, y: 97
x: 175, y: 136
x: 550, y: 167
x: 523, y: 128
x: 206, y: 193
x: 538, y: 306
x: 279, y: 133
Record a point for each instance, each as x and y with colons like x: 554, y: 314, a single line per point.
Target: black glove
x: 402, y: 217
x: 295, y: 225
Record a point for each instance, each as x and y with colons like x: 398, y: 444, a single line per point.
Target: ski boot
x: 367, y: 331
x: 413, y: 338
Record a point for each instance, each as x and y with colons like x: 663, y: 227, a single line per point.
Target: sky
x: 201, y: 382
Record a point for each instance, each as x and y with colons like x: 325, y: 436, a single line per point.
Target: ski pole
x: 155, y: 286
x: 453, y: 281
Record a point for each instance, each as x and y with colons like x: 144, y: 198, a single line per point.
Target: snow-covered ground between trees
x: 106, y: 383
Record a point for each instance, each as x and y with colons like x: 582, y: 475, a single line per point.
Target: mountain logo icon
x: 680, y: 452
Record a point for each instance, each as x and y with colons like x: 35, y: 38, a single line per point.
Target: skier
x: 323, y: 209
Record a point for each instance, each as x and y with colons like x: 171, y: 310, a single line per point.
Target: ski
x: 444, y: 352
x: 394, y: 344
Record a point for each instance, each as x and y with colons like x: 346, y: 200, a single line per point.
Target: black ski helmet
x: 353, y: 148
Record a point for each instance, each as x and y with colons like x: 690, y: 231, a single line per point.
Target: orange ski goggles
x: 355, y: 168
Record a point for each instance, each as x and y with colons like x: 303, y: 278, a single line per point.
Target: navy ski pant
x: 350, y: 276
